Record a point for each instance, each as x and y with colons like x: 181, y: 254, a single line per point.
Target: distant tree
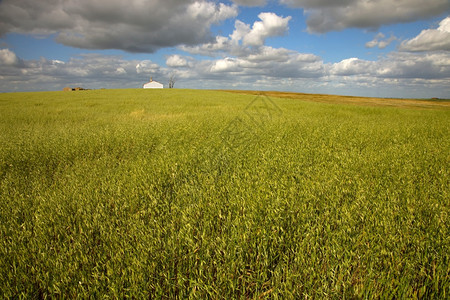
x: 171, y: 81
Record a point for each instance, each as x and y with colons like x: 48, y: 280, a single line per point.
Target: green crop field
x: 212, y: 194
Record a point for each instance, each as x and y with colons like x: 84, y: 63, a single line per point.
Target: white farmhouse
x: 153, y: 85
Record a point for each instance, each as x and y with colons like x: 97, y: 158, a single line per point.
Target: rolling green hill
x: 213, y: 194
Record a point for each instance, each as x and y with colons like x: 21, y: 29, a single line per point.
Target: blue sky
x: 353, y: 47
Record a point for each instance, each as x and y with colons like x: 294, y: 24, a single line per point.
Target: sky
x: 377, y: 48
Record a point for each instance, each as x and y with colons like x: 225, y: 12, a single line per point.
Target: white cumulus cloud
x: 397, y: 65
x: 177, y: 61
x: 225, y: 65
x: 352, y: 66
x: 244, y: 36
x: 430, y: 39
x: 269, y: 26
x: 7, y: 57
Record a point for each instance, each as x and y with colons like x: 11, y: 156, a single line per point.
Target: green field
x: 207, y: 194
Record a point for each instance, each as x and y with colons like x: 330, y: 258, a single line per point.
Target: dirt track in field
x: 366, y: 101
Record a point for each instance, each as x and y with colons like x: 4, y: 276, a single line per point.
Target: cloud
x: 283, y: 63
x: 250, y: 2
x: 88, y: 70
x: 430, y: 39
x: 335, y: 15
x: 397, y: 65
x: 244, y: 36
x: 146, y: 67
x: 269, y: 26
x: 133, y: 26
x: 352, y: 66
x: 316, y: 3
x: 8, y: 58
x: 267, y: 68
x: 403, y: 74
x: 380, y: 42
x: 414, y: 75
x: 225, y: 65
x: 220, y: 45
x: 428, y: 66
x: 262, y: 62
x: 177, y: 61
